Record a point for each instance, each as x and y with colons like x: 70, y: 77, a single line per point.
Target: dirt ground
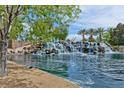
x: 22, y: 77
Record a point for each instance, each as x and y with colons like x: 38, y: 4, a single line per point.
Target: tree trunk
x: 7, y: 24
x: 83, y: 37
x: 3, y: 49
x: 3, y: 57
x: 100, y: 37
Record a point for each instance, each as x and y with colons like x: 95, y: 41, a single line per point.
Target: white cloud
x: 106, y: 15
x: 74, y: 37
x: 103, y: 16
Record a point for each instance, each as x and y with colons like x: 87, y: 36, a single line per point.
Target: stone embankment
x: 118, y: 48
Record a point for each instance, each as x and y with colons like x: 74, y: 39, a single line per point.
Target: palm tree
x: 100, y: 31
x: 82, y: 32
x: 91, y: 32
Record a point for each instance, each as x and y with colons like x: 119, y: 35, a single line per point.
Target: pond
x: 95, y: 71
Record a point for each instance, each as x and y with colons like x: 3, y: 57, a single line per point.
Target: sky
x: 94, y: 16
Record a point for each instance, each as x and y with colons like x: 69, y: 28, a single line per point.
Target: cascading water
x: 59, y: 47
x: 107, y: 48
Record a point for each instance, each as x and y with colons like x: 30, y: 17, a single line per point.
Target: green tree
x: 117, y: 35
x: 109, y: 35
x: 106, y: 37
x: 40, y: 19
x: 60, y: 33
x: 100, y: 31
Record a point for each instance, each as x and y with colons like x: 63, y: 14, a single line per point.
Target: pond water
x: 95, y: 71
